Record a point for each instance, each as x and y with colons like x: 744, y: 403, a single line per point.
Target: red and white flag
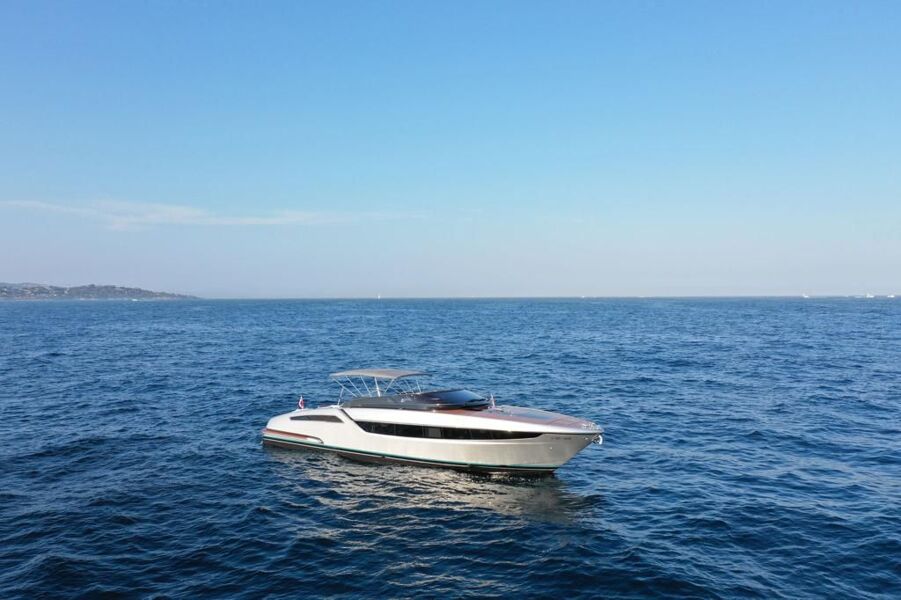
x: 300, y: 402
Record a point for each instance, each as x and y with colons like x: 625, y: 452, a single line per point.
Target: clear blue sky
x: 304, y: 149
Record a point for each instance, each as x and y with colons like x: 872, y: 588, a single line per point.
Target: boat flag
x: 300, y: 402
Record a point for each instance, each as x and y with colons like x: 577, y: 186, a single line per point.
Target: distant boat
x: 805, y: 296
x: 869, y: 296
x: 890, y: 296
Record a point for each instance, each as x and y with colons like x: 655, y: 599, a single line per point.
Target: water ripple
x: 751, y: 451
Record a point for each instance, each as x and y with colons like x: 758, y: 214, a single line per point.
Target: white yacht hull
x: 553, y: 439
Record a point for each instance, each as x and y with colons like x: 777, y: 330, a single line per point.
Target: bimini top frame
x: 356, y: 382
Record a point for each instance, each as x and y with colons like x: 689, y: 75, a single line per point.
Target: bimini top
x: 378, y: 373
x: 376, y: 382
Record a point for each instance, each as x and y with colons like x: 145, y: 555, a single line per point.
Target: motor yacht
x: 387, y: 415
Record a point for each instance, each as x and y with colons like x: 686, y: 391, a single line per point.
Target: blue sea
x: 752, y: 449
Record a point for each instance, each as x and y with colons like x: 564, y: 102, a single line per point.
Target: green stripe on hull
x: 408, y: 458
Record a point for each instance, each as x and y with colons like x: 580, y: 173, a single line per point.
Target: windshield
x: 429, y: 400
x: 453, y: 396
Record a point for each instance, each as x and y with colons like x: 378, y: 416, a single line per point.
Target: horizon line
x: 539, y: 297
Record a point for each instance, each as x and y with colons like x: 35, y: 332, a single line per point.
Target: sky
x: 452, y: 149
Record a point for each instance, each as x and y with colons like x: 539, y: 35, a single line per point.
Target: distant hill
x: 40, y: 291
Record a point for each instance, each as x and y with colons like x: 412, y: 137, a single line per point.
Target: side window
x: 447, y: 433
x: 408, y: 430
x: 383, y: 428
x: 481, y: 434
x: 451, y: 433
x: 322, y: 418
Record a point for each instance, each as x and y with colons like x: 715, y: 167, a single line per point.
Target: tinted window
x: 452, y: 433
x: 408, y: 430
x: 447, y: 433
x: 382, y: 428
x: 325, y: 418
x: 461, y: 396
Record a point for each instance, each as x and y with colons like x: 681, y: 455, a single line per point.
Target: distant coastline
x: 40, y: 291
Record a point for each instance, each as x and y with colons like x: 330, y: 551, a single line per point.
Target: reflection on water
x: 345, y: 484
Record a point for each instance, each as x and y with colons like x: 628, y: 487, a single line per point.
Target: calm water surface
x: 753, y: 449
